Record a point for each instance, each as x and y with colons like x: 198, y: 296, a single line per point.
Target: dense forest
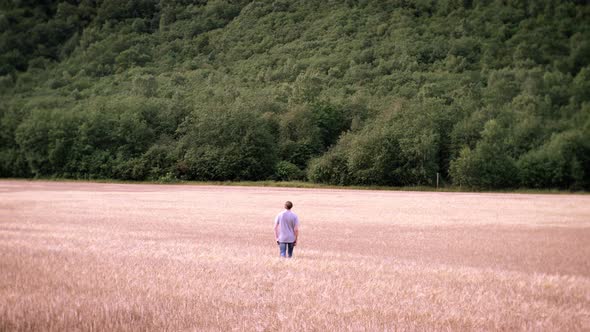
x: 487, y: 93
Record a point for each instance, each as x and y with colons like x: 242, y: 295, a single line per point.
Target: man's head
x: 288, y: 205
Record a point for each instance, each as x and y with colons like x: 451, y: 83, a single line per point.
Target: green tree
x: 489, y: 165
x: 227, y: 145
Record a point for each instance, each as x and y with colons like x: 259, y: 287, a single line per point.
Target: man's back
x: 287, y: 222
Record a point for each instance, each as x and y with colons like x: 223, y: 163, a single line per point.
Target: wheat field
x: 137, y: 257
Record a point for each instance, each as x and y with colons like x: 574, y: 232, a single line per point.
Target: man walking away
x: 287, y: 230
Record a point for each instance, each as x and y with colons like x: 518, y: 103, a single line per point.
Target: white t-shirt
x: 287, y: 221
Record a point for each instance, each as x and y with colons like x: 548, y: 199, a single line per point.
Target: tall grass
x: 114, y: 257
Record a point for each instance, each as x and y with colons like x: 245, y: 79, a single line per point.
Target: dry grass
x: 108, y: 257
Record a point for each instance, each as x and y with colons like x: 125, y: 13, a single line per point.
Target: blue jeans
x: 286, y: 249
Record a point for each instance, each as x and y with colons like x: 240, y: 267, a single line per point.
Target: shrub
x: 487, y: 166
x: 286, y: 171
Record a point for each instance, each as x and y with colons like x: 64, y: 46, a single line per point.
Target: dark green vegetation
x: 490, y: 94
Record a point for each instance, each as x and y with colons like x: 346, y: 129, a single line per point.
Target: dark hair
x: 288, y: 205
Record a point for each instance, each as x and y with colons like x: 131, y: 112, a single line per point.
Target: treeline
x: 489, y: 94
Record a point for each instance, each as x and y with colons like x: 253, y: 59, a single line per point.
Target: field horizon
x: 115, y: 256
x: 312, y: 185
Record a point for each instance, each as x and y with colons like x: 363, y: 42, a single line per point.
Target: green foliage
x: 285, y: 171
x: 226, y: 145
x: 560, y: 163
x: 489, y: 165
x: 402, y: 147
x: 331, y: 168
x: 41, y: 30
x: 45, y: 138
x: 489, y: 94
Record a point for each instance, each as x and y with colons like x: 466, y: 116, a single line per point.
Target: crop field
x: 136, y: 257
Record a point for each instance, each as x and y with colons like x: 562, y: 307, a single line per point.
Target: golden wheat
x: 119, y: 257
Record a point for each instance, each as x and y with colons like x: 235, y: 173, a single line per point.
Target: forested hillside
x: 488, y: 93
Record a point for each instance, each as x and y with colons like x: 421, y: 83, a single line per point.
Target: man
x: 287, y: 230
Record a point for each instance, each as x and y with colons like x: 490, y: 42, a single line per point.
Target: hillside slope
x: 490, y: 94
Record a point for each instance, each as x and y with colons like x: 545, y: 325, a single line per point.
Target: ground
x: 89, y: 256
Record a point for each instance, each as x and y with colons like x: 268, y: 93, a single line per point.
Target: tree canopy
x: 487, y: 93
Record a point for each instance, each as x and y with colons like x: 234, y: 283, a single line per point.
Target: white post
x: 437, y: 180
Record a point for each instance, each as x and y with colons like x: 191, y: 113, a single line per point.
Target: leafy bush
x: 561, y: 163
x: 228, y: 145
x: 285, y: 171
x: 489, y: 165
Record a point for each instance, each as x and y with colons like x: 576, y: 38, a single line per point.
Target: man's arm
x: 296, y: 229
x: 276, y: 231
